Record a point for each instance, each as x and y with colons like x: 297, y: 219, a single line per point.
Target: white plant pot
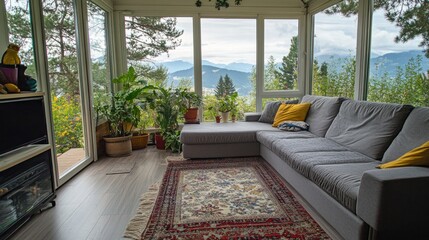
x: 225, y: 117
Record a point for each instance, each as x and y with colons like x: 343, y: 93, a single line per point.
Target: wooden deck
x: 70, y: 159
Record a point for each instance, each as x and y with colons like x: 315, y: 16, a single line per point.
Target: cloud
x: 234, y: 40
x: 383, y: 37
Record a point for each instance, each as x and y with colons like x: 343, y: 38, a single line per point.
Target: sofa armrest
x: 395, y: 202
x: 252, y: 116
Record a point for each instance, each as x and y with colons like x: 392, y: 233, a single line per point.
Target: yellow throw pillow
x: 419, y: 156
x: 291, y: 112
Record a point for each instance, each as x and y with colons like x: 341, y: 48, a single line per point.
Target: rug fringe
x: 138, y: 224
x: 175, y: 158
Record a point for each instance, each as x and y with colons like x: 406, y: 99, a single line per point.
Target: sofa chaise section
x: 213, y: 140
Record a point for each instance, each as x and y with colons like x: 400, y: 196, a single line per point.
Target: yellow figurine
x: 10, y: 56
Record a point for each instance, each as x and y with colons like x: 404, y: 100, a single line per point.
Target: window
x: 19, y: 24
x: 281, y: 54
x: 334, y: 53
x: 398, y: 71
x: 228, y: 63
x: 100, y: 64
x: 64, y: 81
x: 266, y: 100
x: 161, y: 48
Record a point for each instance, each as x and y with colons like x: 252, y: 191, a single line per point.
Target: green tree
x: 224, y: 87
x: 288, y: 72
x: 271, y: 82
x: 220, y: 88
x: 320, y: 81
x: 149, y: 37
x: 408, y: 86
x: 338, y: 81
x: 19, y: 25
x: 229, y: 85
x: 411, y: 16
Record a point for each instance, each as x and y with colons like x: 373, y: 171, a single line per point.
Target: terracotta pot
x: 191, y: 116
x: 233, y: 118
x: 218, y: 119
x: 159, y: 142
x: 225, y: 117
x: 139, y: 141
x: 118, y: 146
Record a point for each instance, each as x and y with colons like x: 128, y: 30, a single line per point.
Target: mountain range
x: 211, y: 75
x: 240, y: 72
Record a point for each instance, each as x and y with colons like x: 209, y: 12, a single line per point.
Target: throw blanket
x: 293, y: 126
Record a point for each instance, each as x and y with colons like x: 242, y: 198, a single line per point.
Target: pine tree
x: 220, y: 88
x: 224, y: 87
x: 288, y: 72
x: 229, y: 85
x: 324, y: 69
x: 271, y: 81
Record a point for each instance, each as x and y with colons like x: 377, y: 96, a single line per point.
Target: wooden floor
x: 94, y: 205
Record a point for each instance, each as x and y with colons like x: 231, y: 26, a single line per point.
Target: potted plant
x: 214, y: 112
x: 234, y: 112
x: 121, y: 112
x: 226, y: 104
x: 192, y: 101
x: 168, y: 106
x: 140, y: 138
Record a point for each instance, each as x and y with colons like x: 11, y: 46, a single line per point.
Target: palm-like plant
x: 169, y: 106
x: 123, y: 109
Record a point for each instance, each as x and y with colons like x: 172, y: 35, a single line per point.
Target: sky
x: 234, y: 40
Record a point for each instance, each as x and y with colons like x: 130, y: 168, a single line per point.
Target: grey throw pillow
x: 270, y: 110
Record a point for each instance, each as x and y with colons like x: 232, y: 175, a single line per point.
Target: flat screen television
x: 22, y: 122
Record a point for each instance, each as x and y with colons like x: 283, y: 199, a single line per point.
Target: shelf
x: 20, y: 155
x: 20, y: 95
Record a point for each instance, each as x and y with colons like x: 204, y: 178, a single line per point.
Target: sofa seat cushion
x: 342, y: 181
x: 219, y: 133
x: 322, y: 112
x: 368, y: 127
x: 414, y: 133
x: 267, y: 138
x: 304, y: 154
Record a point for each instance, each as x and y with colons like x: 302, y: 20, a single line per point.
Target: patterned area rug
x: 223, y: 199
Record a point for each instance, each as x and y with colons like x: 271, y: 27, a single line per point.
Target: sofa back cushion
x: 368, y: 127
x: 270, y: 110
x: 322, y: 112
x: 414, y: 133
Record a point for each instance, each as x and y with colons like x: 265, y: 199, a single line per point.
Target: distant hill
x: 385, y: 63
x: 174, y: 66
x: 240, y: 72
x: 211, y: 77
x: 391, y: 61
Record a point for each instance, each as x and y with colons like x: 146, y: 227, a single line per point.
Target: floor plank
x: 93, y: 205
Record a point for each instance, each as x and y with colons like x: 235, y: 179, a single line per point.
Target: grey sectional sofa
x: 333, y: 165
